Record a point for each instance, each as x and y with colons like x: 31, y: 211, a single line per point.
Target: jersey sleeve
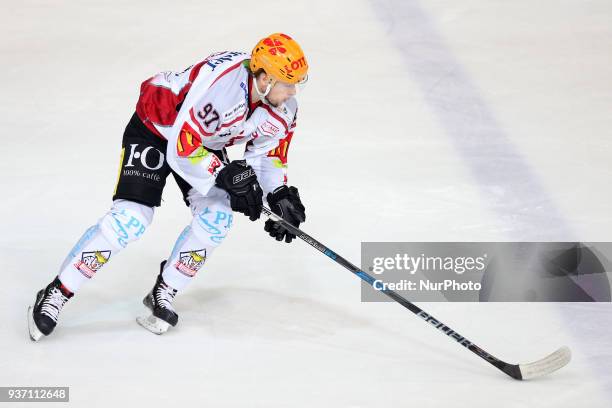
x: 268, y: 149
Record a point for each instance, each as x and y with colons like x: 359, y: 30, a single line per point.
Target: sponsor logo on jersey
x: 234, y: 112
x: 91, y: 262
x: 282, y: 150
x: 190, y: 262
x: 188, y: 141
x: 268, y: 128
x: 217, y: 59
x: 213, y: 167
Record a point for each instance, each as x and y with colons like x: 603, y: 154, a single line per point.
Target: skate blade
x: 35, y: 334
x: 153, y: 324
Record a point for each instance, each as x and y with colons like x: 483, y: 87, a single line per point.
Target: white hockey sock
x: 186, y: 259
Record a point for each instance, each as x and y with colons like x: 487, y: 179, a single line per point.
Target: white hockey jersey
x: 207, y: 107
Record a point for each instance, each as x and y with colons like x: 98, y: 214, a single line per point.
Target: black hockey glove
x: 285, y: 202
x: 240, y: 181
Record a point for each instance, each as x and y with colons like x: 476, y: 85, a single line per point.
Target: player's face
x: 280, y: 93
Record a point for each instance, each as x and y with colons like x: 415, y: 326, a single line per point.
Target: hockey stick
x: 526, y: 371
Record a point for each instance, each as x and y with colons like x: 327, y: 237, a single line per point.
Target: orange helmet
x: 281, y: 57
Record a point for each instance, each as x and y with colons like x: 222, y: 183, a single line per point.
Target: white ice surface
x: 402, y: 95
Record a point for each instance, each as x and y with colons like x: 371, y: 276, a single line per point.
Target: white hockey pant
x: 127, y: 221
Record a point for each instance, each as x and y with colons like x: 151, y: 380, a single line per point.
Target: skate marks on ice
x: 509, y: 185
x: 235, y: 313
x: 238, y: 311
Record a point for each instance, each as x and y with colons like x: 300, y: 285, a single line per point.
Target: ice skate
x: 159, y: 302
x: 43, y: 315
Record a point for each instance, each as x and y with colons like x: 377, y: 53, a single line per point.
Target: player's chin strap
x: 263, y: 95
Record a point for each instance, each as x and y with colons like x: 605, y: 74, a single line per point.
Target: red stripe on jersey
x: 200, y: 128
x: 233, y: 121
x: 196, y: 70
x: 233, y: 67
x: 275, y: 116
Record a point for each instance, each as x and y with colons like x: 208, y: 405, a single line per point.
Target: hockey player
x: 182, y: 124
